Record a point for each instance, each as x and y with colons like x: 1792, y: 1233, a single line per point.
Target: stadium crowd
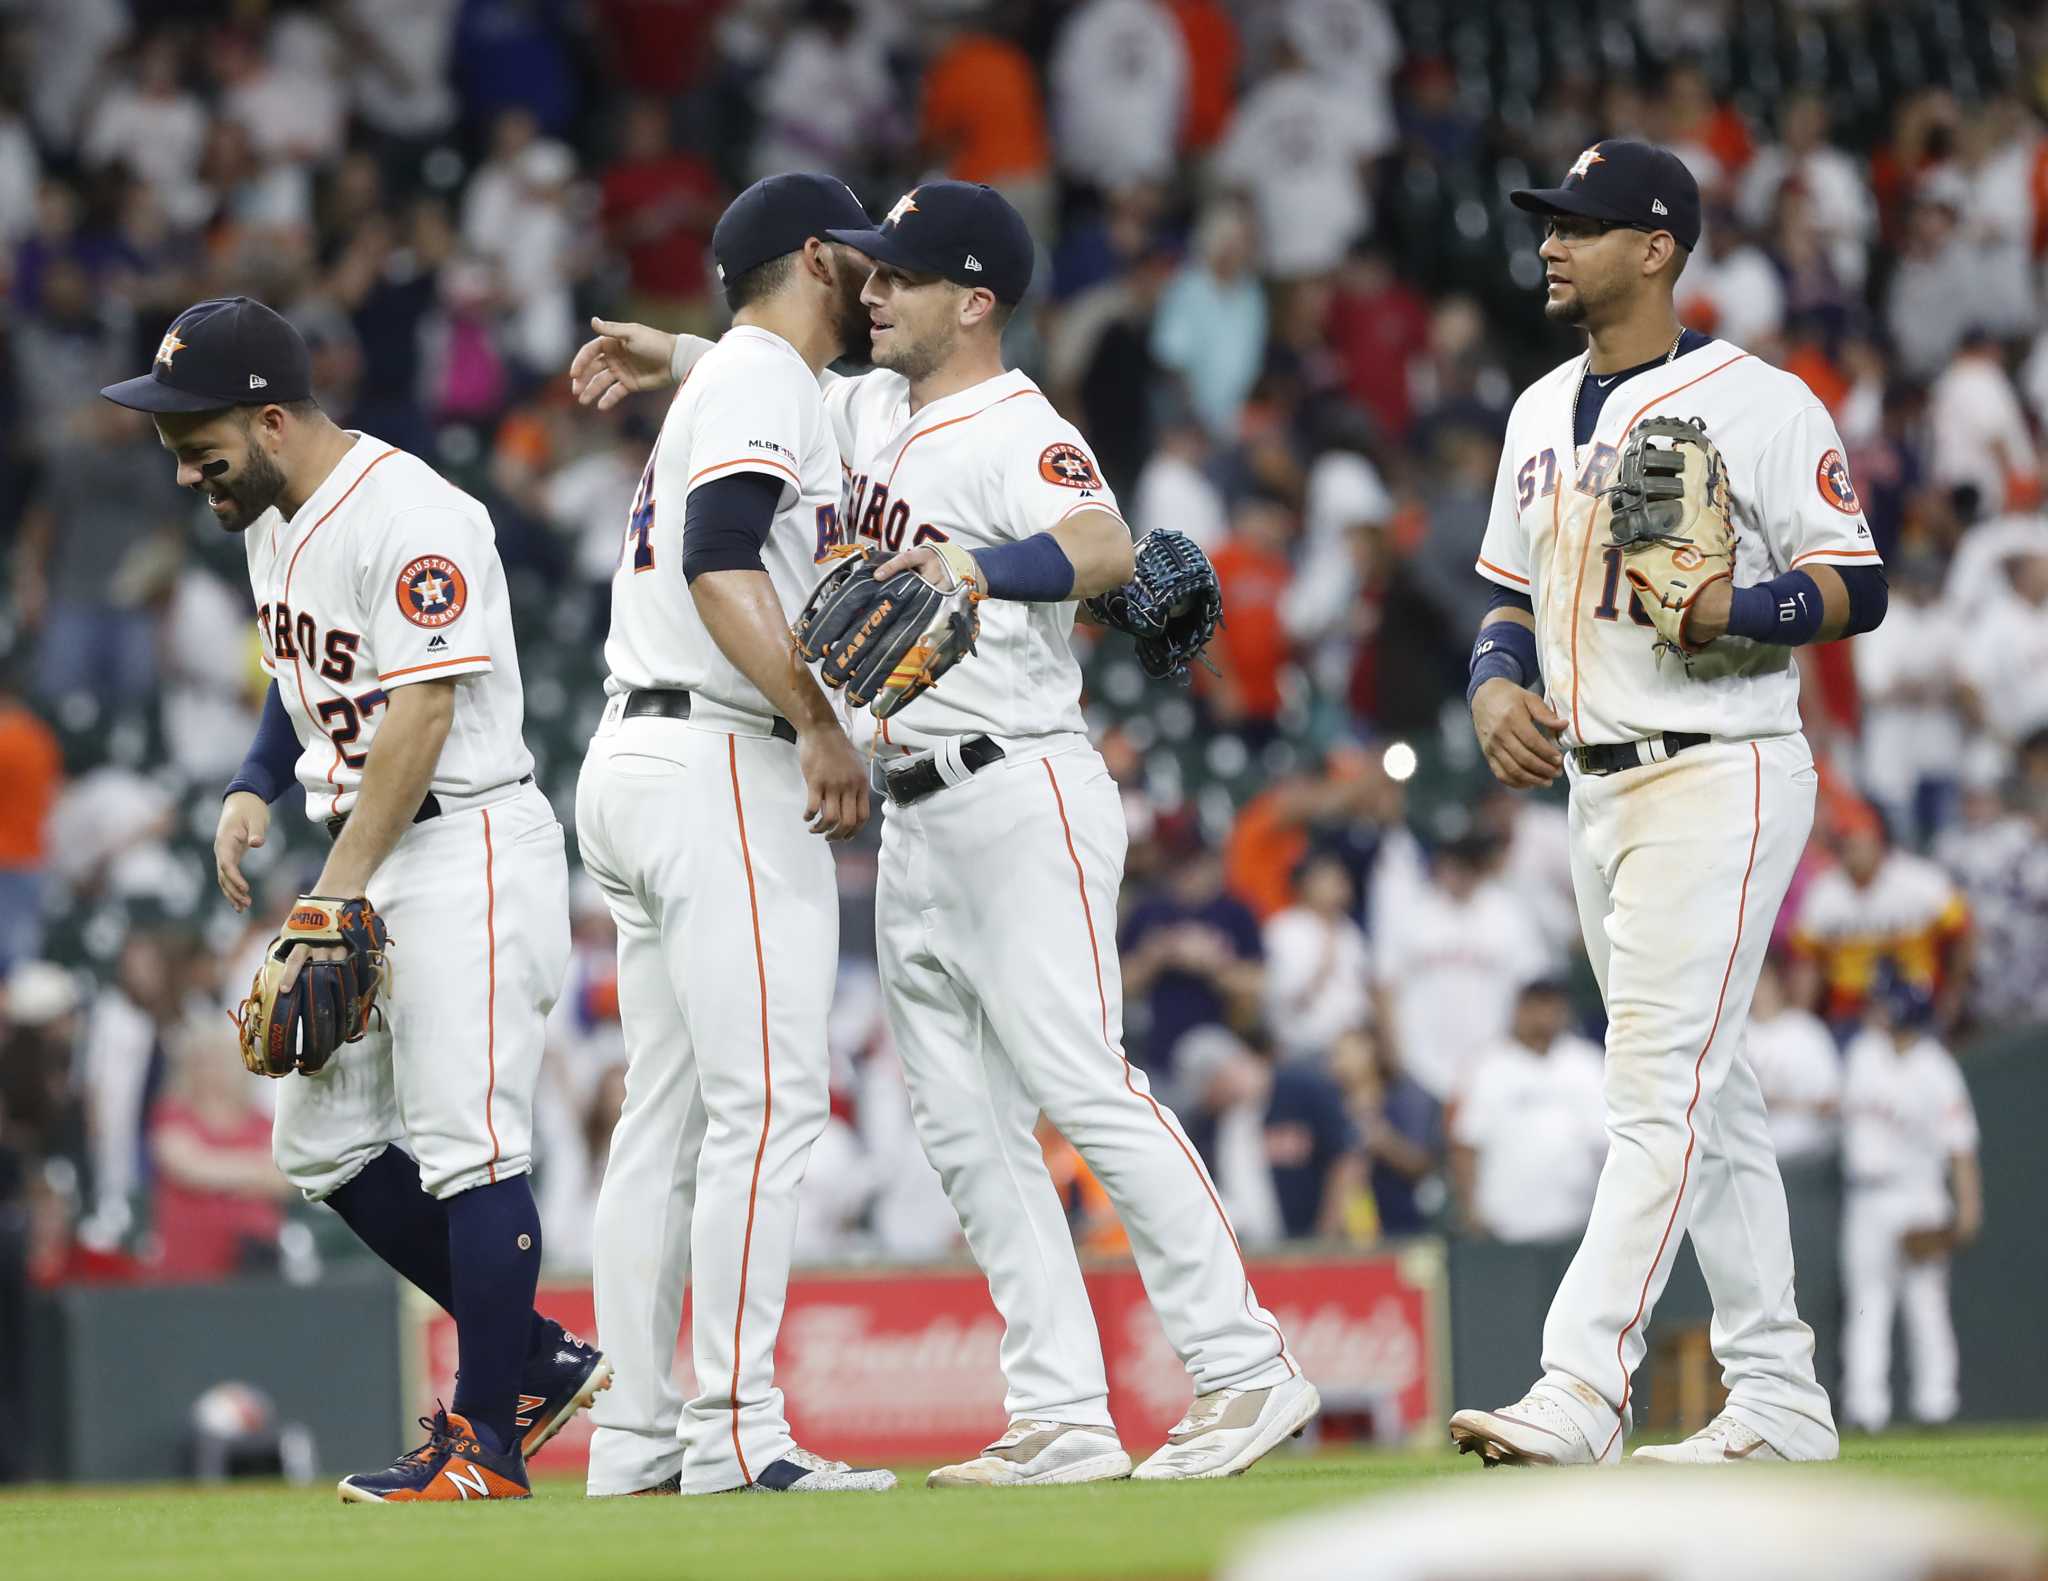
x: 1282, y: 293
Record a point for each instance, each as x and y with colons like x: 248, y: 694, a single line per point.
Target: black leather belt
x: 669, y: 703
x: 1634, y: 754
x: 915, y: 781
x: 430, y: 808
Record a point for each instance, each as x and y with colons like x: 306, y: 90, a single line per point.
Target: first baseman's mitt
x: 886, y: 642
x: 1671, y: 516
x: 1172, y: 605
x: 331, y: 1000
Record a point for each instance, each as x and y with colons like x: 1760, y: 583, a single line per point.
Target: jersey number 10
x: 1610, y: 590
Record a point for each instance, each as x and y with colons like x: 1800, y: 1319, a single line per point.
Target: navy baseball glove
x: 1172, y: 606
x: 330, y: 1001
x: 884, y: 643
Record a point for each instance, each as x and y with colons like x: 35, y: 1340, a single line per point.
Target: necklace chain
x: 1586, y: 366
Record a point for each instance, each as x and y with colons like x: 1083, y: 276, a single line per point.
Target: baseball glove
x: 884, y: 643
x: 330, y: 1002
x: 1670, y: 514
x: 1171, y: 606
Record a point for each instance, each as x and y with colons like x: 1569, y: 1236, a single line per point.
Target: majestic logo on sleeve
x: 1833, y: 477
x: 431, y: 591
x: 1069, y: 466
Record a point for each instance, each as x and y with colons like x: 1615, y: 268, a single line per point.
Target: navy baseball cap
x: 231, y: 351
x: 777, y: 215
x: 1627, y: 183
x: 959, y: 230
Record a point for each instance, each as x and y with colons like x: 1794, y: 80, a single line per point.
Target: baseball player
x: 1673, y: 517
x: 1912, y: 1194
x: 395, y: 702
x: 1002, y: 984
x: 716, y: 767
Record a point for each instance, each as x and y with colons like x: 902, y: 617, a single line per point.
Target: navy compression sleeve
x: 273, y: 755
x: 727, y: 522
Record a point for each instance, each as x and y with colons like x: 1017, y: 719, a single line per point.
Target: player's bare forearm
x: 1966, y: 1182
x: 1347, y: 1180
x: 745, y: 619
x: 1709, y: 618
x: 1100, y: 547
x: 396, y: 778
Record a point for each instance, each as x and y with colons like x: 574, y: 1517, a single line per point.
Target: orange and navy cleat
x: 451, y: 1467
x: 560, y: 1380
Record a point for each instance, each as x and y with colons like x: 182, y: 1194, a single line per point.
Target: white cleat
x: 1040, y: 1454
x: 1722, y: 1442
x: 1227, y: 1430
x: 1536, y: 1430
x: 800, y: 1471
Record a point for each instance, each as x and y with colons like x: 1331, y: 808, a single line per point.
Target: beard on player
x: 849, y: 314
x: 241, y: 494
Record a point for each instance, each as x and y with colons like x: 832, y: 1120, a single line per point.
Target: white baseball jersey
x: 1794, y: 504
x: 749, y: 405
x: 386, y: 576
x: 1537, y: 1125
x: 1904, y: 1116
x: 984, y: 466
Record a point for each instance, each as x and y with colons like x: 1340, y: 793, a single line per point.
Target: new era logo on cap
x: 258, y: 382
x: 1657, y: 206
x: 973, y: 263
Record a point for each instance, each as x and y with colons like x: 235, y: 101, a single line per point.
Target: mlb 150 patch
x: 431, y: 591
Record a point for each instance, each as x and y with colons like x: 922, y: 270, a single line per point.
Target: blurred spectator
x: 1798, y: 1068
x: 120, y: 1063
x: 827, y: 101
x: 1403, y: 1130
x: 1536, y: 863
x: 1295, y: 151
x: 516, y: 217
x: 40, y: 1114
x: 1844, y: 215
x: 219, y: 1199
x: 1251, y: 652
x: 1318, y: 966
x: 582, y: 1083
x: 2004, y: 654
x: 1099, y: 364
x: 1211, y: 325
x: 1998, y: 852
x: 1909, y: 678
x: 1529, y: 1127
x: 1447, y: 969
x: 20, y: 171
x: 287, y: 92
x: 1353, y: 45
x: 1730, y: 287
x: 658, y: 206
x: 1350, y: 807
x: 107, y: 490
x: 1996, y: 164
x: 149, y: 123
x: 399, y: 50
x: 983, y: 115
x: 1276, y: 1138
x: 1708, y: 134
x: 1378, y: 323
x: 1191, y: 952
x: 1934, y: 297
x: 1978, y: 431
x: 511, y: 53
x: 1914, y: 1194
x: 31, y: 773
x: 586, y: 499
x: 1119, y: 76
x: 1326, y: 609
x: 1881, y: 908
x: 1174, y: 489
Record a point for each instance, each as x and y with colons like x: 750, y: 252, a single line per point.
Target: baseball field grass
x: 1127, y: 1530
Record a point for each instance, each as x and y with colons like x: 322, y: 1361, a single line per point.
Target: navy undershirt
x: 1594, y: 392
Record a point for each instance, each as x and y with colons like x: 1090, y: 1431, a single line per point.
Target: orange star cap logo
x: 1586, y: 162
x: 907, y: 204
x: 168, y: 347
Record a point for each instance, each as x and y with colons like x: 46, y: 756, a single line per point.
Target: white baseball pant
x: 477, y: 901
x: 1879, y: 1281
x: 1680, y: 868
x: 996, y: 928
x: 728, y: 926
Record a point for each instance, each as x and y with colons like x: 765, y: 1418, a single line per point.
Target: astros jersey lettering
x: 1794, y: 505
x: 987, y: 465
x: 749, y: 405
x: 386, y: 576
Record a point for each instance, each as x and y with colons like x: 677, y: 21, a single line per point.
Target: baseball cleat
x: 1722, y: 1442
x: 800, y: 1471
x: 1042, y: 1454
x: 451, y: 1467
x: 559, y: 1381
x: 1536, y: 1430
x: 1226, y: 1430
